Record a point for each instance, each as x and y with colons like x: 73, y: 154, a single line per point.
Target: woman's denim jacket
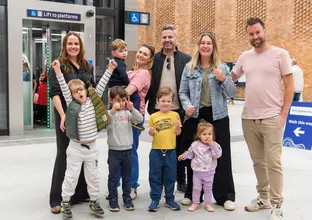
x: 190, y: 89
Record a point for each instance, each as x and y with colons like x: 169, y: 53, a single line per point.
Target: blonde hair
x: 118, y: 44
x: 149, y: 65
x: 215, y: 60
x: 77, y: 82
x: 203, y: 125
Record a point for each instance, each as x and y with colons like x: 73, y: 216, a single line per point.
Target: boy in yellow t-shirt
x: 164, y: 126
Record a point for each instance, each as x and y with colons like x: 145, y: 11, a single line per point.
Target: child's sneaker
x: 65, y: 209
x: 138, y: 126
x: 153, y: 207
x: 257, y: 204
x: 133, y: 193
x: 128, y: 204
x: 96, y: 208
x: 113, y: 205
x: 172, y: 205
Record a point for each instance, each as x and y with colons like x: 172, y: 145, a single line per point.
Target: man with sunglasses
x: 167, y: 71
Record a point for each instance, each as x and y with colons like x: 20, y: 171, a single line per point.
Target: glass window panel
x: 3, y: 71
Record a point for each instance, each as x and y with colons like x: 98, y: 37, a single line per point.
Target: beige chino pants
x: 264, y: 140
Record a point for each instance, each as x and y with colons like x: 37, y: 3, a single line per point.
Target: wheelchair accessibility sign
x: 137, y: 18
x: 298, y: 130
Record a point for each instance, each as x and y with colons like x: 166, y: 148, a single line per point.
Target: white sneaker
x: 276, y: 213
x: 257, y: 204
x: 133, y: 193
x: 186, y: 201
x: 229, y: 205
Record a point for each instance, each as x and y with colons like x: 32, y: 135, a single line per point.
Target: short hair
x: 203, y: 125
x: 118, y: 44
x: 77, y: 82
x: 169, y: 27
x: 164, y: 91
x: 255, y: 20
x: 118, y: 91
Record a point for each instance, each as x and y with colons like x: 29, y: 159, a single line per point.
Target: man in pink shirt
x: 265, y: 113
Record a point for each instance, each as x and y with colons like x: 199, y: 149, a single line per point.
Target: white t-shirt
x: 298, y: 78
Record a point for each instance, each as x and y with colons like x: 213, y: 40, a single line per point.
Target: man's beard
x: 168, y: 50
x: 258, y: 45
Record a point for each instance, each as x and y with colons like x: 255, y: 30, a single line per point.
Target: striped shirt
x: 87, y: 128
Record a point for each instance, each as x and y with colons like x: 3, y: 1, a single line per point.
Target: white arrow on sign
x: 297, y: 132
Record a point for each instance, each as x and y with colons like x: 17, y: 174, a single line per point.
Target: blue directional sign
x: 53, y: 15
x: 298, y: 131
x: 137, y: 18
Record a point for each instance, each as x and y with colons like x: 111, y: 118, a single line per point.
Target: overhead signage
x: 138, y: 18
x: 53, y: 15
x: 298, y: 128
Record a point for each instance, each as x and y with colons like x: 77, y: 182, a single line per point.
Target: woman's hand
x: 219, y: 74
x: 190, y: 110
x: 62, y: 125
x: 57, y: 67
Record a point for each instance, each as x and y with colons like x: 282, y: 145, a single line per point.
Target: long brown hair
x: 83, y: 63
x: 149, y: 65
x: 215, y: 60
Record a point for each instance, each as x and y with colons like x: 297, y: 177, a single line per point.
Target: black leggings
x: 223, y: 185
x: 62, y: 142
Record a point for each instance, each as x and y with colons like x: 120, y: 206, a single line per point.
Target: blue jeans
x: 162, y: 172
x: 119, y: 161
x: 135, y: 160
x: 296, y: 96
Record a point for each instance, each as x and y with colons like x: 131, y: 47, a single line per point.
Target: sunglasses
x: 168, y: 63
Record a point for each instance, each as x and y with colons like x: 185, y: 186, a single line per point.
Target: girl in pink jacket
x: 204, y: 153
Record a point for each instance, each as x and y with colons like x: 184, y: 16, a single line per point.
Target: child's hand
x: 129, y: 105
x: 116, y: 107
x: 62, y: 124
x: 151, y: 131
x: 112, y: 65
x: 211, y: 143
x: 190, y: 110
x: 57, y: 67
x: 177, y: 123
x: 181, y: 157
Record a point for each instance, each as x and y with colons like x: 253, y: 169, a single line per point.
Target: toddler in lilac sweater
x: 204, y: 153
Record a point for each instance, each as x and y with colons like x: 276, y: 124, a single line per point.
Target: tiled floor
x: 26, y: 168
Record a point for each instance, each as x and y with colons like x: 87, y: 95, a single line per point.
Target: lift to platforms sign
x: 53, y: 15
x: 298, y: 131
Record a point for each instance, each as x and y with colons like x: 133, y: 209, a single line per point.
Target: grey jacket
x: 119, y: 132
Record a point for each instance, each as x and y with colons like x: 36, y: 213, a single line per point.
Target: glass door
x: 42, y: 43
x: 27, y: 77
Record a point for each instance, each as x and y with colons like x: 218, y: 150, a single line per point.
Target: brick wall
x: 288, y: 22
